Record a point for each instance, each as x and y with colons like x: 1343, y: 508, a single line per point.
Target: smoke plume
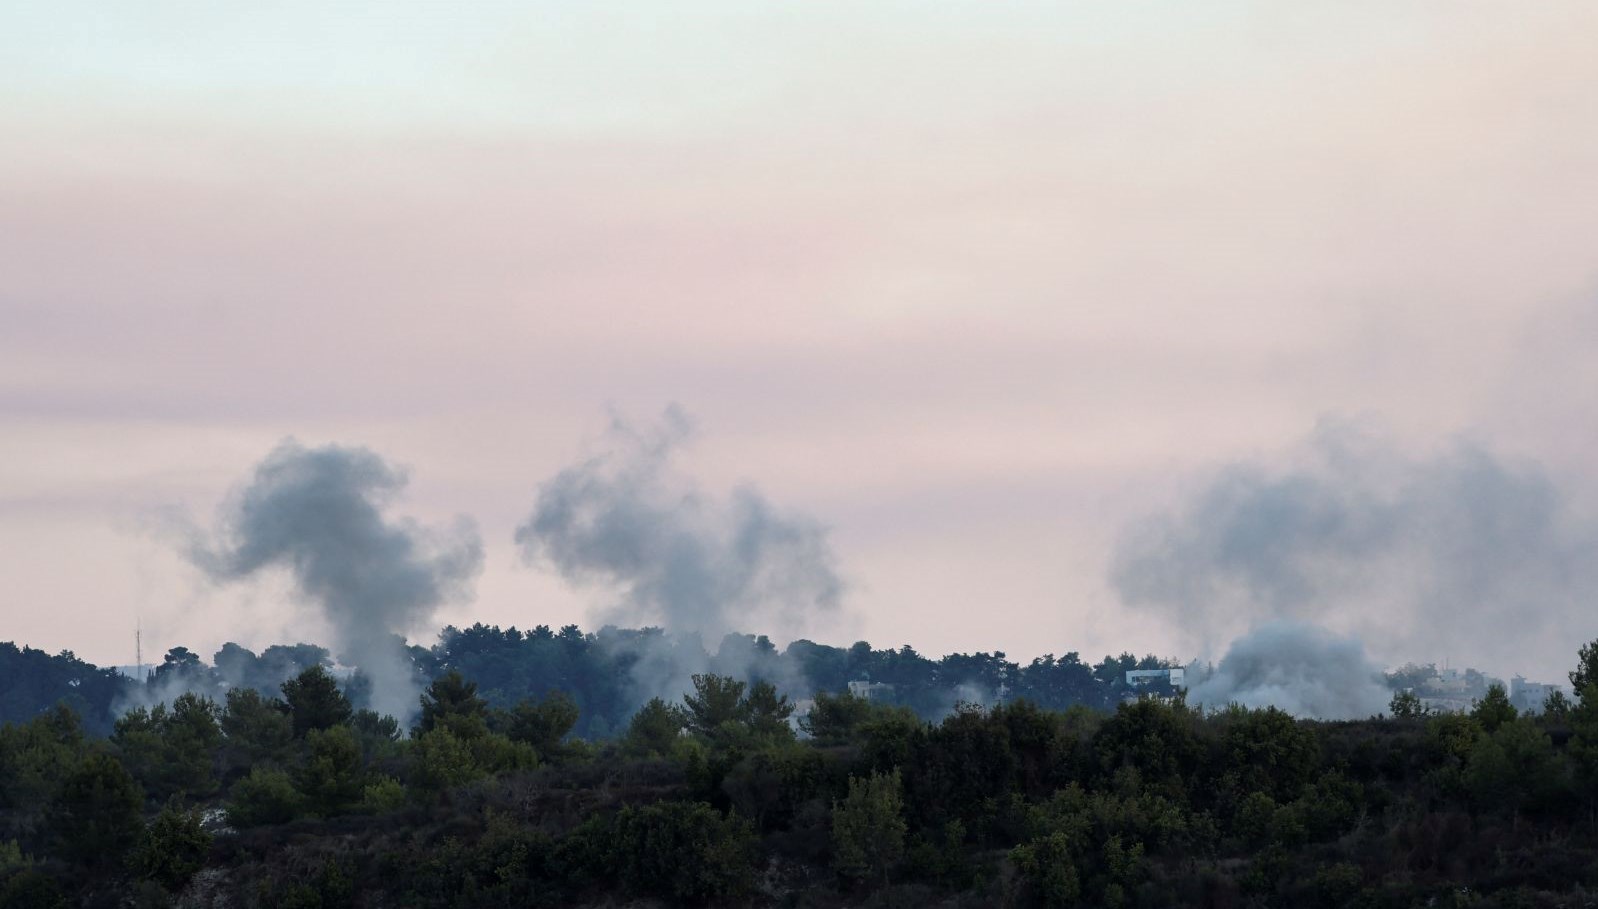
x: 1459, y: 554
x: 1302, y: 669
x: 319, y: 514
x: 667, y: 553
x: 662, y: 665
x: 674, y: 555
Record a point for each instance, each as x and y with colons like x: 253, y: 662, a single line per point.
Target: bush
x: 172, y: 849
x: 683, y: 852
x: 441, y: 760
x: 382, y: 796
x: 264, y: 797
x: 1049, y: 869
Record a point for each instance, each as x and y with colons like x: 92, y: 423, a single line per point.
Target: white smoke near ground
x: 663, y: 665
x: 1459, y: 554
x: 664, y: 552
x: 155, y: 690
x: 970, y: 694
x: 1300, y: 668
x: 319, y: 515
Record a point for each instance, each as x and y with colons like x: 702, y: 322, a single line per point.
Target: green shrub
x: 266, y: 796
x: 383, y: 795
x: 682, y: 852
x: 172, y: 849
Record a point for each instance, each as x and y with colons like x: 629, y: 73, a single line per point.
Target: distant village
x: 1455, y: 690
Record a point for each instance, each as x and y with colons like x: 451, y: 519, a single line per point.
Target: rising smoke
x: 662, y: 664
x: 1458, y: 554
x: 668, y: 553
x: 1297, y: 667
x: 319, y: 514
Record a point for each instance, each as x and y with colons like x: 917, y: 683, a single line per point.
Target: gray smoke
x: 1458, y: 554
x: 319, y: 514
x: 672, y: 554
x: 1302, y: 669
x: 663, y: 664
x: 666, y: 553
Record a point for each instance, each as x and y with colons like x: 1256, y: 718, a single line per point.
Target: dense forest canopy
x: 265, y: 782
x: 609, y: 674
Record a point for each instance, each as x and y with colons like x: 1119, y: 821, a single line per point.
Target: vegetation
x: 728, y: 797
x: 592, y: 672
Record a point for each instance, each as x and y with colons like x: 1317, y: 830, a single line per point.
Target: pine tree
x: 717, y: 699
x: 1586, y: 671
x: 451, y: 702
x: 1494, y: 709
x: 868, y: 827
x: 315, y: 702
x: 95, y: 816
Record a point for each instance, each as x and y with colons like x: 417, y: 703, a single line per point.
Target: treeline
x: 302, y: 799
x: 32, y: 682
x: 607, y: 674
x: 611, y: 672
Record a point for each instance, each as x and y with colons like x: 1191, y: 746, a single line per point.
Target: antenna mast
x: 138, y: 649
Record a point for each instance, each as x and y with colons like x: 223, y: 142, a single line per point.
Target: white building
x: 1530, y: 695
x: 1137, y: 678
x: 869, y: 690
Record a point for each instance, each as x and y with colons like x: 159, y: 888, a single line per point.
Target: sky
x: 987, y: 291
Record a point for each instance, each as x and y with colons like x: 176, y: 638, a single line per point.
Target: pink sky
x: 975, y: 286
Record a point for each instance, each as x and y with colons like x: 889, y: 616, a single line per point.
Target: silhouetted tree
x: 767, y: 712
x: 451, y: 702
x: 834, y: 718
x: 255, y: 730
x: 1556, y: 706
x: 1406, y: 705
x: 654, y: 729
x: 1494, y: 709
x: 315, y: 701
x: 1586, y: 672
x: 716, y: 700
x: 542, y: 725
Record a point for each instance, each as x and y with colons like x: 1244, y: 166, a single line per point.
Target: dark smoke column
x: 318, y: 513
